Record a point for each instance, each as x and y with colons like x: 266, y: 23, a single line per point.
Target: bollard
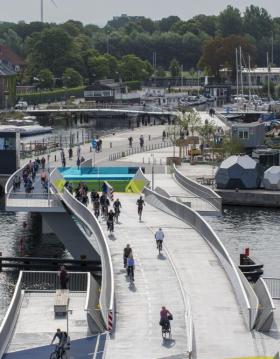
x: 54, y: 158
x: 111, y: 145
x: 0, y: 262
x: 90, y: 148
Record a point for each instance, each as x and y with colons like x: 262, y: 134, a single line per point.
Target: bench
x: 61, y: 300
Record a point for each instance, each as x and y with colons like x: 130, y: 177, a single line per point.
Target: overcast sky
x: 99, y: 12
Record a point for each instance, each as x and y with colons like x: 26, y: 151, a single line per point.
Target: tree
x: 230, y: 21
x: 98, y: 67
x: 46, y: 79
x: 257, y: 22
x: 220, y: 52
x: 132, y: 68
x: 175, y: 68
x: 166, y: 23
x: 71, y: 78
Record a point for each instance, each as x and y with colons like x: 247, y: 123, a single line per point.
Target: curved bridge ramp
x: 137, y: 331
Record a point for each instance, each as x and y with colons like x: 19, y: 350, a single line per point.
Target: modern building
x: 256, y: 77
x: 266, y: 157
x: 250, y: 135
x: 7, y: 87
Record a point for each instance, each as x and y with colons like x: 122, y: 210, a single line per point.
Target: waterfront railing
x: 205, y: 193
x: 135, y: 150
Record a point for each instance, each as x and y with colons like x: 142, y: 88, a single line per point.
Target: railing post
x: 0, y: 261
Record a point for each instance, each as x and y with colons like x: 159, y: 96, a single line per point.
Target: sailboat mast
x: 241, y: 77
x: 249, y: 62
x: 237, y: 70
x: 268, y: 76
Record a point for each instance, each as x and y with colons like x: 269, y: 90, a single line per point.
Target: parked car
x: 21, y: 105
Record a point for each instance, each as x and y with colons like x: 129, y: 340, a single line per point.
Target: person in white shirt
x: 159, y: 236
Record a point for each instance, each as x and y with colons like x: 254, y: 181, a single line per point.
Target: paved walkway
x: 219, y: 329
x: 138, y: 333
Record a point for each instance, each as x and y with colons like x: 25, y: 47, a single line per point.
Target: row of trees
x: 125, y: 46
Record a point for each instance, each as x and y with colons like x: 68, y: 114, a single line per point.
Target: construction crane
x: 42, y: 9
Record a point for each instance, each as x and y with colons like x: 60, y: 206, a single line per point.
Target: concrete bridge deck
x: 218, y: 323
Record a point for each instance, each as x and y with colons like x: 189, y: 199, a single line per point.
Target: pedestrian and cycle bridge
x: 217, y: 313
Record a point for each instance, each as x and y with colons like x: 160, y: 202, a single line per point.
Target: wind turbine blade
x: 54, y: 3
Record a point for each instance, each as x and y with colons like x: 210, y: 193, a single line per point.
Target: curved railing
x: 89, y: 220
x: 10, y: 318
x: 198, y: 189
x: 243, y: 291
x: 9, y: 183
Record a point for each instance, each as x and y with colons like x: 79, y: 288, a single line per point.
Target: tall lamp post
x: 153, y: 171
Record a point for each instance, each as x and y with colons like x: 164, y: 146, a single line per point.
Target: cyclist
x: 117, y: 207
x: 94, y: 195
x: 140, y: 203
x: 130, y: 266
x: 126, y: 252
x: 110, y: 220
x: 62, y: 338
x: 96, y: 207
x: 159, y: 236
x: 165, y: 317
x: 105, y: 203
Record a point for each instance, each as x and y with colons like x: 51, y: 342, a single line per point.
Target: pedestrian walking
x: 63, y: 278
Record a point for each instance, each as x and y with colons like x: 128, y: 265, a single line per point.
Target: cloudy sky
x: 99, y: 12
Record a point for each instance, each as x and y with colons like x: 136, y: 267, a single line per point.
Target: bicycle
x: 111, y: 226
x: 166, y: 330
x: 140, y: 210
x: 159, y: 246
x: 59, y: 353
x: 117, y: 214
x: 96, y: 212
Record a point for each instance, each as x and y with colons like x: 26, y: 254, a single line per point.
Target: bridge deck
x: 175, y: 190
x: 37, y: 324
x: 218, y: 323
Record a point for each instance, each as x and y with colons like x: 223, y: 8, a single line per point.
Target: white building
x: 259, y: 75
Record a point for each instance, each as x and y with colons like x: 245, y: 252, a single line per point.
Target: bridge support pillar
x: 46, y: 229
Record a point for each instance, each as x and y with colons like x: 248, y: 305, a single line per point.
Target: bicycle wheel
x: 54, y: 355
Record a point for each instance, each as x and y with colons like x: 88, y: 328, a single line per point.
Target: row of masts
x: 239, y: 75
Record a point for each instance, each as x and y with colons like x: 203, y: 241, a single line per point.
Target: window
x: 243, y: 135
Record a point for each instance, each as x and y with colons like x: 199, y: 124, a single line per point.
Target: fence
x: 273, y: 285
x: 134, y: 150
x: 201, y: 191
x: 247, y: 303
x: 86, y: 217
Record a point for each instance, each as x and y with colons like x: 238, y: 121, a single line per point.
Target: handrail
x: 10, y: 318
x: 191, y: 217
x: 203, y: 192
x: 135, y: 150
x: 9, y: 183
x: 89, y: 220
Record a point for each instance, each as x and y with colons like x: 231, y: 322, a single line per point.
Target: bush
x: 51, y: 96
x: 133, y: 85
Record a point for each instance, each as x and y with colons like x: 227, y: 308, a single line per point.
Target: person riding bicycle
x: 117, y: 207
x: 140, y: 203
x: 126, y: 252
x: 110, y: 220
x: 165, y: 317
x: 94, y: 195
x: 130, y: 266
x: 96, y: 207
x: 159, y: 236
x: 105, y: 204
x: 62, y: 337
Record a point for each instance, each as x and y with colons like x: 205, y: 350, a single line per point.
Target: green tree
x: 132, y: 68
x: 175, y: 68
x: 230, y: 21
x: 46, y: 79
x: 98, y: 67
x: 71, y: 78
x: 257, y: 22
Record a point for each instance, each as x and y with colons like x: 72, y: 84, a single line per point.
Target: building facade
x: 7, y: 87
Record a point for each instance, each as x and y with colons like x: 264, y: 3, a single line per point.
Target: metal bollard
x: 54, y: 158
x: 111, y: 145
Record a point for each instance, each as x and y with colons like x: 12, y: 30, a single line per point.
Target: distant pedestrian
x: 70, y: 152
x: 63, y: 278
x: 130, y: 141
x: 78, y: 162
x: 43, y: 162
x: 163, y: 135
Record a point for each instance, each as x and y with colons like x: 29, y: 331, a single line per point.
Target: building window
x: 243, y: 135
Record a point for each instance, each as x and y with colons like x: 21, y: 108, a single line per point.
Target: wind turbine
x: 42, y: 9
